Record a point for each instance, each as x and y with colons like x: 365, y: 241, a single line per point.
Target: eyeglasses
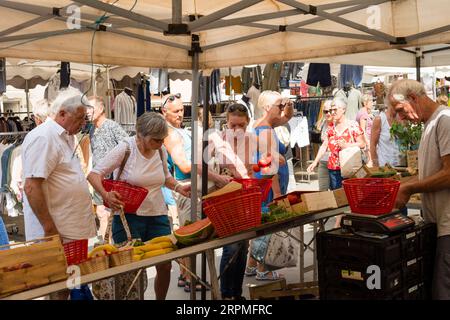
x: 326, y: 111
x: 172, y: 98
x: 333, y: 110
x: 237, y: 107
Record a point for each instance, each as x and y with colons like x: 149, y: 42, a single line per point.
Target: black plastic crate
x: 339, y: 245
x: 417, y: 291
x: 355, y: 277
x: 418, y: 269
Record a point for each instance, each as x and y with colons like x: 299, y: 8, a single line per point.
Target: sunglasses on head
x: 172, y: 98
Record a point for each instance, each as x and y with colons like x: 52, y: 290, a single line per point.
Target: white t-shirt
x: 48, y: 152
x: 435, y: 144
x: 139, y: 171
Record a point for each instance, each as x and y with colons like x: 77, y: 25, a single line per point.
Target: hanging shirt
x: 299, y: 132
x: 125, y: 109
x: 350, y: 134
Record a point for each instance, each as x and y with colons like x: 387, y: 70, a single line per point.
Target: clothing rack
x: 314, y: 97
x: 14, y: 113
x: 12, y: 133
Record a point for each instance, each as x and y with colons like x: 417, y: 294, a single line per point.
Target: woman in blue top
x: 276, y: 111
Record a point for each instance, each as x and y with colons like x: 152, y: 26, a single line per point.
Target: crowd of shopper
x: 159, y: 158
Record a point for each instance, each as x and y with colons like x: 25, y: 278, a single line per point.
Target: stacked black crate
x: 396, y: 267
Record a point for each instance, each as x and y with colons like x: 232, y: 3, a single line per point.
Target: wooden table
x: 268, y: 228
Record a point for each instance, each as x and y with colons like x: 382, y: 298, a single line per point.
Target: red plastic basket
x: 263, y: 184
x: 235, y: 211
x: 373, y: 196
x: 76, y: 251
x: 132, y: 196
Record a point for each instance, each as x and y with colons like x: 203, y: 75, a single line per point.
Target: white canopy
x: 231, y: 32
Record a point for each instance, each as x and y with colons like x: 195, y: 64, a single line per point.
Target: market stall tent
x: 205, y: 34
x: 231, y: 33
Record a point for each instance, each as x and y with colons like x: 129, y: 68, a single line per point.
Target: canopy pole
x: 176, y: 11
x: 205, y: 167
x: 27, y: 92
x: 194, y: 153
x: 418, y: 61
x: 108, y: 86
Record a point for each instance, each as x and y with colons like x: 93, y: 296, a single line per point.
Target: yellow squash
x: 158, y: 252
x: 155, y: 246
x: 159, y: 239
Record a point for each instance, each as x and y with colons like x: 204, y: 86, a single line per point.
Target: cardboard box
x: 318, y: 201
x: 340, y: 197
x: 297, y: 208
x: 362, y: 172
x: 412, y: 159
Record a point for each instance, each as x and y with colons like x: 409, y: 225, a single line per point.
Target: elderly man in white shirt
x: 57, y: 198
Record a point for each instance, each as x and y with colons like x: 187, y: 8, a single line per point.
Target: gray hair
x: 327, y: 104
x: 401, y: 89
x: 340, y: 103
x: 41, y: 109
x: 366, y: 98
x: 98, y: 102
x: 69, y: 99
x: 153, y: 125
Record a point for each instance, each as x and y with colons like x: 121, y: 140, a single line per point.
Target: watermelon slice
x: 195, y: 232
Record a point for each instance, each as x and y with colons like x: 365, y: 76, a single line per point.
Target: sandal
x: 198, y: 287
x: 268, y: 276
x: 250, y: 271
x: 181, y: 281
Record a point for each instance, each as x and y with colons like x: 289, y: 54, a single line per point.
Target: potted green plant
x: 407, y: 135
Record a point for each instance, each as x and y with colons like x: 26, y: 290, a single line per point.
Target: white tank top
x: 387, y: 148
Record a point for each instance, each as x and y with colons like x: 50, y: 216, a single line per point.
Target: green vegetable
x: 407, y: 135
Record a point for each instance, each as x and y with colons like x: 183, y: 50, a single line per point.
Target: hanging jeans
x: 232, y: 277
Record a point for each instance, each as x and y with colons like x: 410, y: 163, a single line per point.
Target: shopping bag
x: 350, y: 161
x: 282, y: 251
x: 276, y: 251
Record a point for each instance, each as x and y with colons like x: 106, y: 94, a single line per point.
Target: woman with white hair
x: 344, y: 134
x: 276, y: 111
x: 145, y: 167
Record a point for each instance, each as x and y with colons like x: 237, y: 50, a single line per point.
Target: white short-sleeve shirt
x: 149, y: 173
x: 48, y: 153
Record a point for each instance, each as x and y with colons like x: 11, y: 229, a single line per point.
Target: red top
x: 333, y: 137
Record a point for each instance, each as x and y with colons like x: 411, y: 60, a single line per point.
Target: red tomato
x: 293, y: 199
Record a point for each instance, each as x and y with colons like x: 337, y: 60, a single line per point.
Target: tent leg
x: 27, y: 94
x: 205, y: 166
x: 194, y: 130
x: 418, y: 61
